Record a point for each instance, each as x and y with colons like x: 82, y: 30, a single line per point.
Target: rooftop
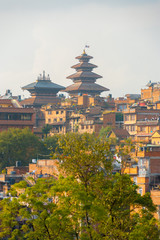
x: 43, y: 82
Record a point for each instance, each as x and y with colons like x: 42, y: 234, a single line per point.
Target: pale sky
x: 37, y: 35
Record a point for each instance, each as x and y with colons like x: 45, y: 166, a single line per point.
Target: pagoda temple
x: 84, y: 79
x: 43, y: 91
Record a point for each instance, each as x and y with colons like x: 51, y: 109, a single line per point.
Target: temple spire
x: 84, y: 51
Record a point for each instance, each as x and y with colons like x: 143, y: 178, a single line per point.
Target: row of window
x: 15, y: 116
x: 132, y: 128
x: 131, y: 117
x: 54, y: 120
x: 57, y: 112
x: 87, y: 127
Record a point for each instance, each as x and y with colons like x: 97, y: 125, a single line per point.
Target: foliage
x: 10, y: 226
x: 46, y: 129
x: 87, y: 203
x: 104, y: 132
x: 18, y: 145
x: 84, y: 154
x: 124, y: 151
x: 50, y: 144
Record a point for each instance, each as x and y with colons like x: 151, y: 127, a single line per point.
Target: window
x: 55, y: 119
x: 133, y: 117
x: 57, y: 112
x: 61, y: 119
x: 142, y: 129
x: 87, y: 127
x: 82, y: 127
x: 127, y: 128
x: 132, y: 128
x: 153, y: 129
x: 49, y: 120
x: 91, y: 126
x: 49, y: 112
x: 61, y: 112
x: 126, y: 117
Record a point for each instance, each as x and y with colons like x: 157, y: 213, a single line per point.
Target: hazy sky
x: 37, y: 35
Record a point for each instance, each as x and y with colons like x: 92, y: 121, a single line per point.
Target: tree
x: 44, y: 218
x: 18, y: 145
x: 46, y: 129
x: 106, y: 202
x: 10, y: 226
x: 104, y: 132
x: 88, y: 202
x: 51, y: 144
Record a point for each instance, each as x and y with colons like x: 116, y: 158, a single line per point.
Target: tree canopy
x: 88, y: 202
x: 18, y: 145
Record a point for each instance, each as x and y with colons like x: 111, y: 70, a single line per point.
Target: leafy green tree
x: 106, y: 202
x: 123, y: 209
x: 45, y: 218
x: 88, y: 202
x: 10, y: 225
x: 104, y: 132
x: 18, y: 145
x: 46, y: 129
x: 50, y: 144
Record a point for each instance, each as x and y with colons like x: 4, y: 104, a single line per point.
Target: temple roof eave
x: 93, y: 87
x: 84, y: 65
x: 82, y: 74
x: 43, y: 85
x: 84, y: 56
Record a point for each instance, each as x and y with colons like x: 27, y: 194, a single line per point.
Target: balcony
x: 149, y: 122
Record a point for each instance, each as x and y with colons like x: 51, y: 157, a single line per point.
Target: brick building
x: 65, y: 120
x: 13, y: 115
x: 44, y: 168
x: 144, y: 169
x: 122, y: 103
x: 141, y: 122
x: 151, y: 92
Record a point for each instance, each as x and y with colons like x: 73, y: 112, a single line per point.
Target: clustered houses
x: 136, y: 116
x: 84, y: 110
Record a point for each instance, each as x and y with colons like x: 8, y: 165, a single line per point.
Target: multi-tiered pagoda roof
x: 84, y: 79
x: 43, y: 91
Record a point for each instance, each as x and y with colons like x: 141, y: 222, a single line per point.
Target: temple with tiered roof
x: 84, y: 79
x: 43, y: 91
